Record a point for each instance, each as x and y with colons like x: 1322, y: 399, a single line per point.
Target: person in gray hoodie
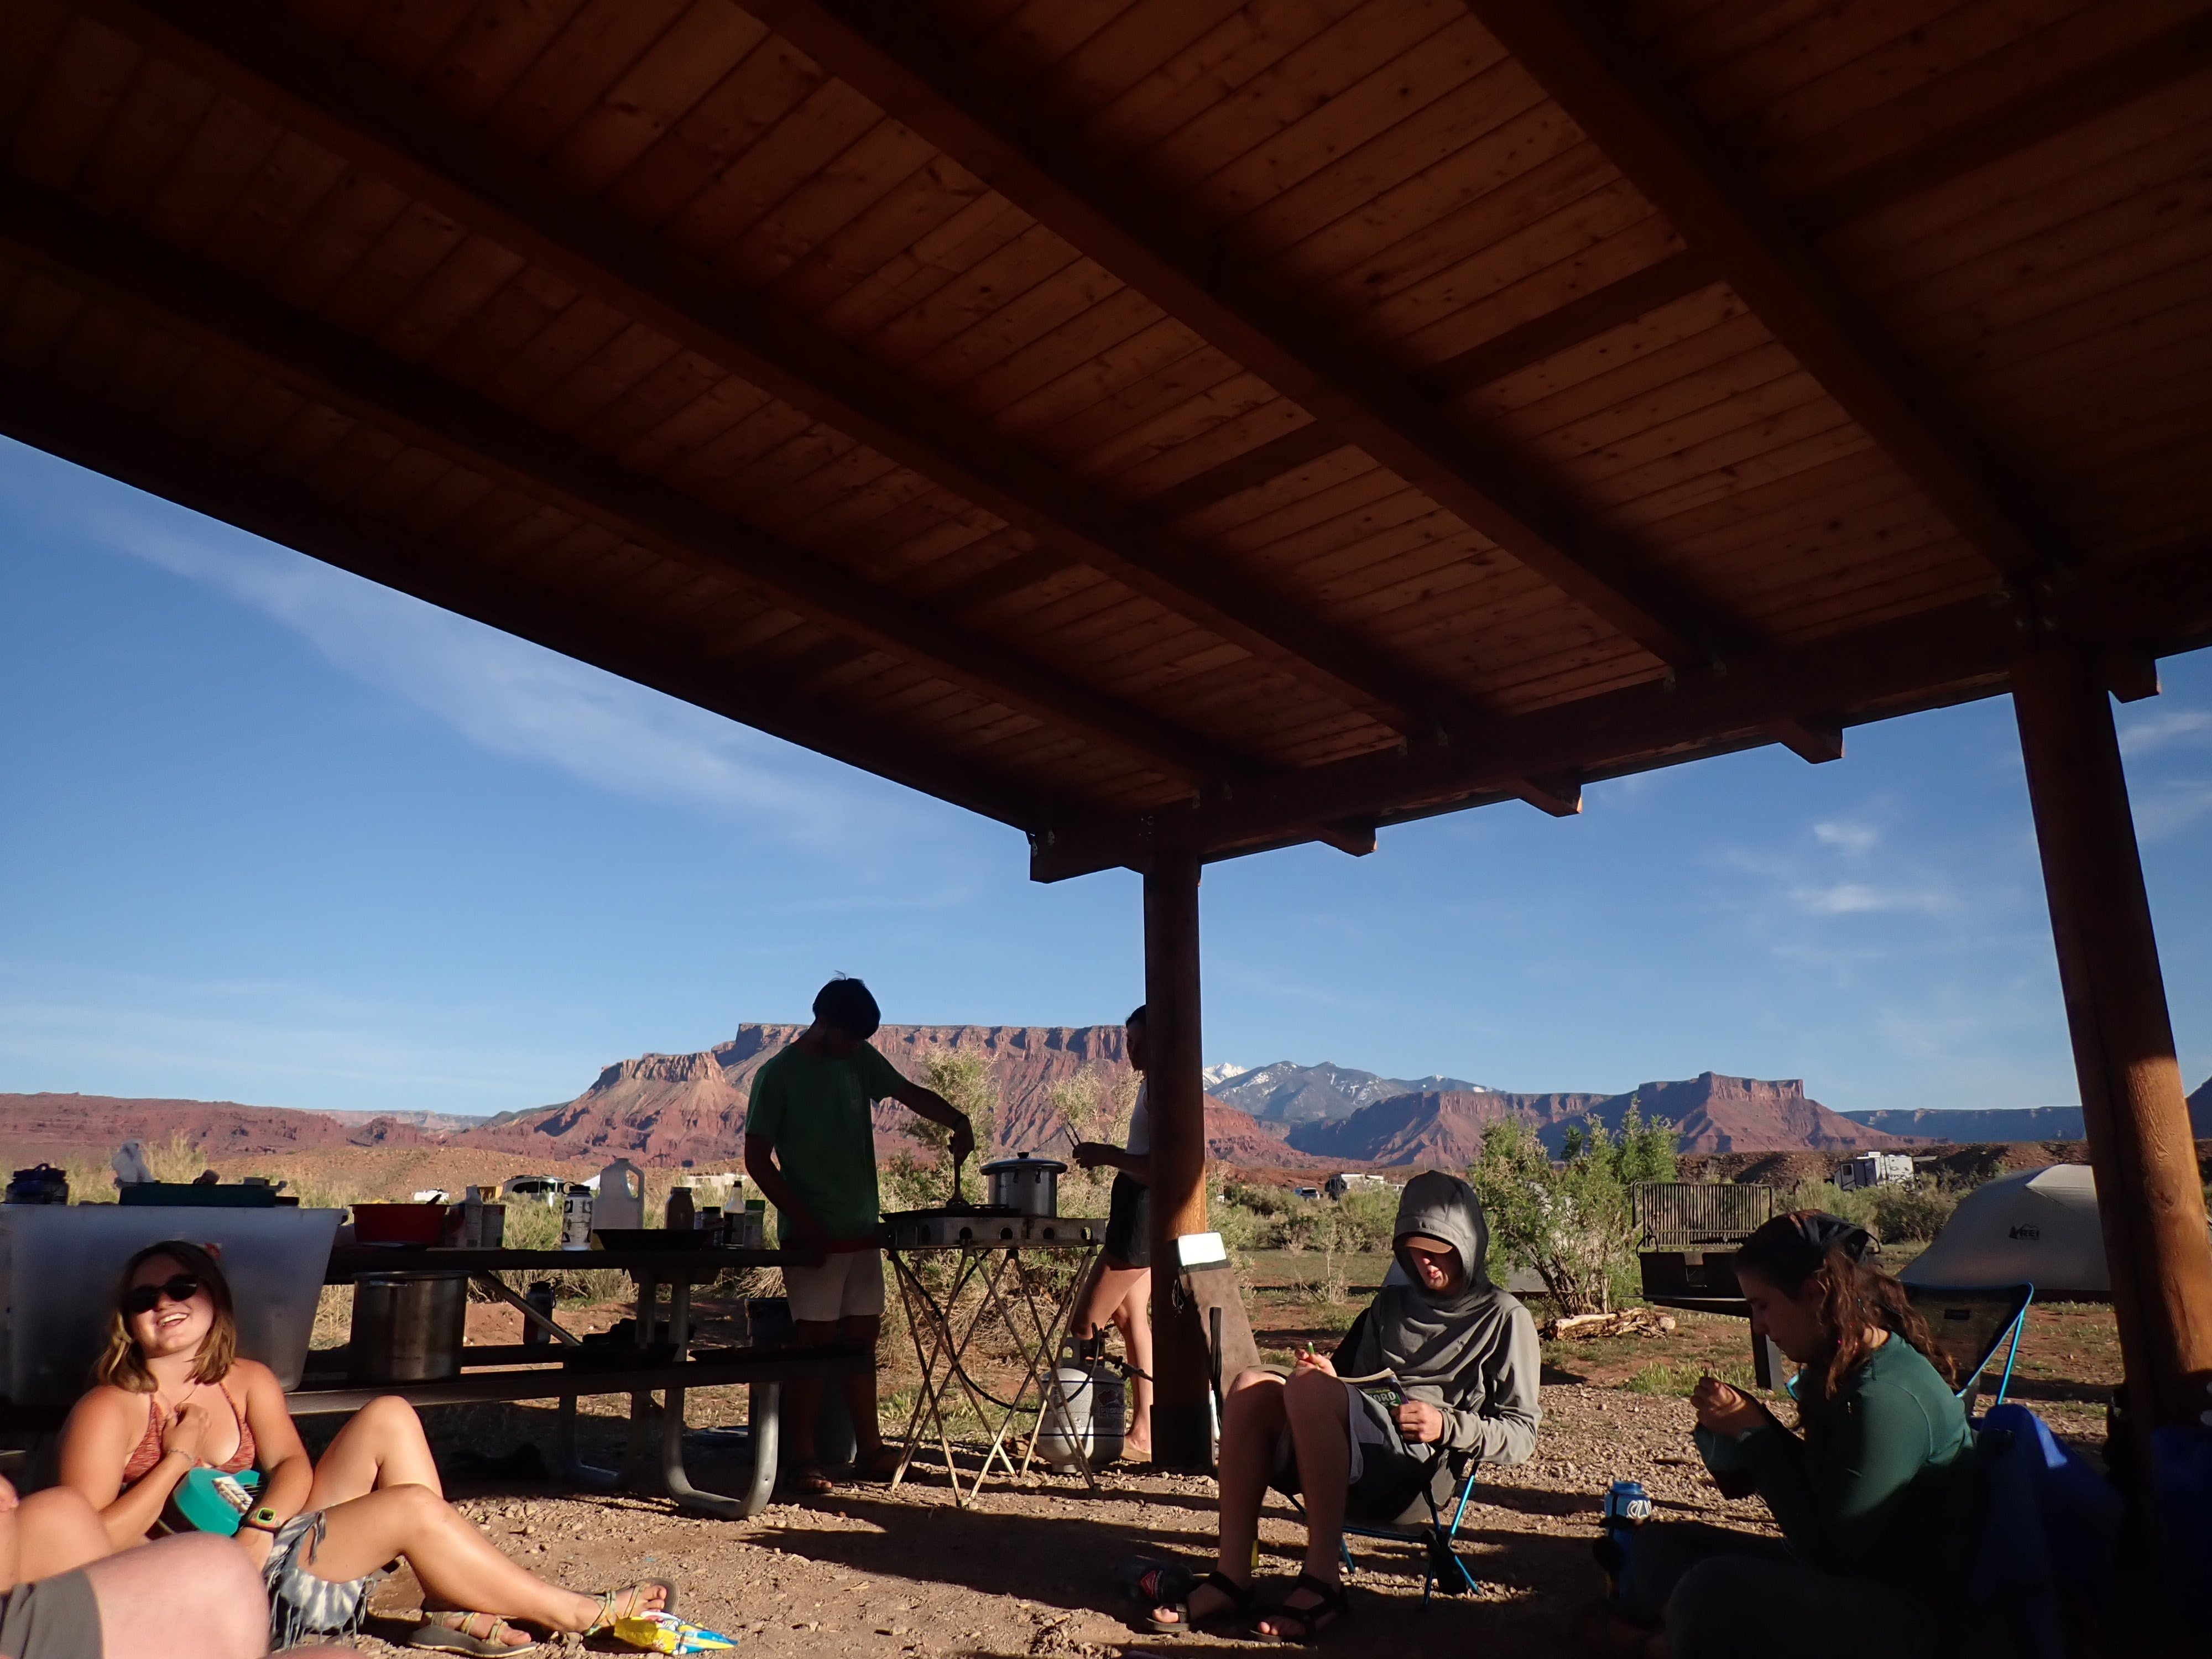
x: 1439, y: 1372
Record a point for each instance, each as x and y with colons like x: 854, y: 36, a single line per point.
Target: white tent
x: 2037, y: 1227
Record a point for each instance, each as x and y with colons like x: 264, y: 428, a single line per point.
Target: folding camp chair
x: 1435, y: 1535
x: 1969, y: 1324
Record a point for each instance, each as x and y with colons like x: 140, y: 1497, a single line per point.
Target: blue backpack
x: 2050, y: 1529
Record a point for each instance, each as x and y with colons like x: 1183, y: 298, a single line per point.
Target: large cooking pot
x: 1031, y: 1185
x: 408, y: 1327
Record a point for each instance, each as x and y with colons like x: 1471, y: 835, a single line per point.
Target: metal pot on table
x: 408, y: 1327
x: 1031, y: 1185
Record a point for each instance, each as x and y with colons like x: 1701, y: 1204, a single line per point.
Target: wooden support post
x: 1175, y: 1089
x: 2150, y: 1203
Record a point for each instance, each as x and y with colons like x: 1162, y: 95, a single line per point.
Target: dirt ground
x: 1030, y: 1571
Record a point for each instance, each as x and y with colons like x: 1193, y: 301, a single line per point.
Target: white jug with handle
x: 620, y: 1202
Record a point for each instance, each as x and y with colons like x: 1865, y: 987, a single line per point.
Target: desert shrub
x: 1916, y: 1210
x: 964, y: 1080
x: 1367, y: 1217
x: 1571, y: 1223
x: 1854, y: 1203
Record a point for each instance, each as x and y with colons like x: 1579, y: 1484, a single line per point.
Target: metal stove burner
x: 977, y: 1224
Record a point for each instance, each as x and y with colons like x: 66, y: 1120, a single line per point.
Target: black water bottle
x: 535, y: 1336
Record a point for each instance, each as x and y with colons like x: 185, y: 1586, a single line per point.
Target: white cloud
x: 1857, y: 838
x: 2168, y: 728
x: 2170, y: 809
x: 1849, y: 898
x: 503, y: 694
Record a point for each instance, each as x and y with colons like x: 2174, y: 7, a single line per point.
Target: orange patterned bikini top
x: 157, y: 1420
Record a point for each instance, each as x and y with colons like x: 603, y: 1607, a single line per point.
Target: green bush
x: 1572, y: 1223
x: 1913, y: 1210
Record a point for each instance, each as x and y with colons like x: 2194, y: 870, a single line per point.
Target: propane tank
x: 1085, y: 1408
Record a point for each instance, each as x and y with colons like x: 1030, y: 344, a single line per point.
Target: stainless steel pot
x: 408, y: 1327
x: 1031, y: 1185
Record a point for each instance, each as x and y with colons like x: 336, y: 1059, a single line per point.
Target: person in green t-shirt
x: 1879, y: 1496
x: 810, y: 1145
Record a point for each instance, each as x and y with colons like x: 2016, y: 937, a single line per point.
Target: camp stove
x: 949, y: 1227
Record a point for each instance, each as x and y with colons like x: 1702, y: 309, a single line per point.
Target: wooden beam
x: 1577, y: 54
x: 1559, y: 797
x: 2161, y: 602
x: 1641, y: 292
x: 233, y: 320
x: 345, y: 102
x: 1254, y: 467
x: 979, y: 112
x: 2040, y: 113
x: 1352, y: 836
x: 1175, y: 1090
x: 2152, y: 1207
x: 1815, y: 741
x: 178, y: 468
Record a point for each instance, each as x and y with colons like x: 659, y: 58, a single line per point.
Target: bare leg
x: 1315, y: 1405
x: 1251, y: 1420
x: 195, y: 1596
x: 1133, y: 1316
x: 459, y: 1566
x: 59, y: 1531
x: 1103, y: 1296
x: 382, y: 1445
x: 802, y: 1402
x: 862, y: 1331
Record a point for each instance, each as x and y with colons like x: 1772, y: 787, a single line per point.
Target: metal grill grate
x: 1676, y: 1215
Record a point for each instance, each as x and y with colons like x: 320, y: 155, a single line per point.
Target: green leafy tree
x: 965, y: 1081
x: 1573, y: 1223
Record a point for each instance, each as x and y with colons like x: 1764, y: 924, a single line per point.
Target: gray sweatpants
x: 1738, y: 1595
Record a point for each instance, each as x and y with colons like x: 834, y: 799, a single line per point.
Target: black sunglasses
x: 144, y: 1299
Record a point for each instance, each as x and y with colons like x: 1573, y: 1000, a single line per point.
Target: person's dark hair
x: 1137, y: 1017
x: 847, y: 1005
x: 1810, y: 1247
x: 121, y: 1365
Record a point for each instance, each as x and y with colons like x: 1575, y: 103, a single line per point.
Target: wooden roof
x: 1195, y: 422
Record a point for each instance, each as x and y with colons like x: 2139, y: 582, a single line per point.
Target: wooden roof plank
x: 348, y: 104
x: 1960, y: 650
x: 1653, y: 136
x: 322, y: 363
x: 977, y: 113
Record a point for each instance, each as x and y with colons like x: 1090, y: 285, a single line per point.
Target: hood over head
x: 1443, y: 1206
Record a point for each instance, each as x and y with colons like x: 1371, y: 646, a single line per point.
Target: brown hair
x: 120, y: 1363
x: 1807, y: 1247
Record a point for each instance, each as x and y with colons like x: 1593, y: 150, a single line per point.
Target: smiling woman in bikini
x: 171, y: 1395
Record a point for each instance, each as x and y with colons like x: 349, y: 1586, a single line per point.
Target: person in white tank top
x: 1121, y: 1291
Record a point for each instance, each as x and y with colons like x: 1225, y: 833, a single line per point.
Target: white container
x: 621, y: 1201
x: 59, y: 1265
x: 1085, y: 1407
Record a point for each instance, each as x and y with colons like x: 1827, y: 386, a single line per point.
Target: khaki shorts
x: 56, y: 1618
x: 849, y: 1284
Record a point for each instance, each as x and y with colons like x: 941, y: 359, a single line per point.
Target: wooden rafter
x: 175, y: 466
x: 325, y: 364
x: 1947, y: 655
x: 980, y: 113
x: 1593, y: 71
x: 380, y: 125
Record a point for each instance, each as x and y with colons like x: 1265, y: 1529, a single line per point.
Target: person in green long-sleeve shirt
x: 1879, y: 1496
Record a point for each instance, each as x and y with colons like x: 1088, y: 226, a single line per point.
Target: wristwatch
x: 264, y: 1519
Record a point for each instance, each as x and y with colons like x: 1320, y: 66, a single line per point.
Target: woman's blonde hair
x: 121, y: 1365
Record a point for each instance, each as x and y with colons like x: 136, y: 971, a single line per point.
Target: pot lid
x: 1016, y: 1165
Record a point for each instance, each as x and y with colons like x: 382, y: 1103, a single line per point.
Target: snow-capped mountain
x: 1286, y: 1093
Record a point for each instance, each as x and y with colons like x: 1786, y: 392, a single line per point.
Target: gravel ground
x: 1030, y: 1572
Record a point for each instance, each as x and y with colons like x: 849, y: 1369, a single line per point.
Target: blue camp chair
x: 1968, y: 1324
x: 1435, y: 1535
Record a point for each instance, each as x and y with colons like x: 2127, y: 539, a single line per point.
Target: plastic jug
x: 620, y: 1202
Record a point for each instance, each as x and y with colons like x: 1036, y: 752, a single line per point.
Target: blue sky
x: 273, y: 834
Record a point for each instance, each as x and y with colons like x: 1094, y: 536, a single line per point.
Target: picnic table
x: 566, y: 1368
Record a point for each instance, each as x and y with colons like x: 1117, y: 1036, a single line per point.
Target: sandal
x: 448, y: 1630
x: 1333, y: 1607
x: 1239, y: 1608
x: 881, y: 1466
x: 808, y: 1481
x: 628, y: 1603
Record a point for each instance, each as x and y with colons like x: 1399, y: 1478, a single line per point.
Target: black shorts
x: 1129, y: 1223
x: 56, y: 1618
x: 1397, y: 1486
